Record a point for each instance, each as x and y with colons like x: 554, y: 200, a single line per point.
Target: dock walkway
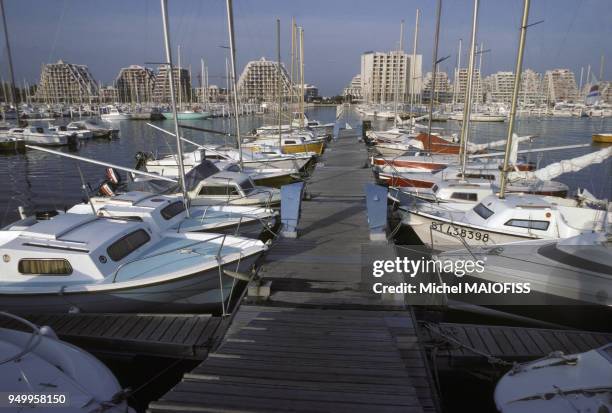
x: 322, y: 342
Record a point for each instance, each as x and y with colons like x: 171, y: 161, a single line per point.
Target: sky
x: 111, y: 34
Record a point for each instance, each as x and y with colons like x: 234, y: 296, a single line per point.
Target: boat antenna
x: 85, y: 189
x: 278, y: 83
x: 515, y: 92
x: 170, y: 68
x: 467, y: 101
x: 433, y: 70
x: 232, y: 46
x: 10, y: 60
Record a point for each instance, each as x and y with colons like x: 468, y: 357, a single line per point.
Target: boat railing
x: 187, y: 247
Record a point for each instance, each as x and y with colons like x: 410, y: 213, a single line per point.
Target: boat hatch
x: 54, y: 229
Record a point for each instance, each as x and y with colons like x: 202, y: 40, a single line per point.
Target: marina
x: 208, y: 232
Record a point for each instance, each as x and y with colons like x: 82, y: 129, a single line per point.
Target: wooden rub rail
x: 289, y: 359
x: 172, y: 335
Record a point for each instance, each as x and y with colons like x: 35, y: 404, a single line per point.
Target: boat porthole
x: 6, y: 258
x: 548, y: 215
x: 102, y: 259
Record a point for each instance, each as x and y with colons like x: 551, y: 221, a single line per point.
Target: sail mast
x: 230, y: 28
x: 179, y: 143
x: 433, y: 71
x: 400, y: 54
x: 515, y: 92
x: 467, y: 101
x: 413, y: 63
x: 10, y: 60
x: 278, y: 83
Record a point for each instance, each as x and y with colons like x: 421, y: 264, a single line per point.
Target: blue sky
x: 107, y: 35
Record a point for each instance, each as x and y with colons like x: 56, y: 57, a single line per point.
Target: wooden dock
x: 455, y: 343
x: 322, y: 341
x: 166, y: 335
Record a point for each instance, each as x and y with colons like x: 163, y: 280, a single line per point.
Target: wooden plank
x: 487, y: 338
x: 161, y: 328
x: 527, y: 340
x: 188, y: 327
x: 506, y: 347
x: 290, y: 392
x: 174, y: 328
x: 515, y: 341
x: 568, y: 345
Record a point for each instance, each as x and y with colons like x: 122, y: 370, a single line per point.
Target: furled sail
x: 568, y: 165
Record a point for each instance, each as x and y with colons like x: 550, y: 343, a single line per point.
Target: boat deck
x: 322, y: 341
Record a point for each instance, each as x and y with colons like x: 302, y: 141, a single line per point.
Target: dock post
x: 376, y: 203
x: 291, y: 204
x: 366, y: 125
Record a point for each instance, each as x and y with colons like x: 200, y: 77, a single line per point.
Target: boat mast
x: 292, y: 92
x: 433, y: 70
x: 467, y: 101
x: 515, y: 92
x: 180, y: 81
x: 302, y: 104
x: 413, y: 63
x: 179, y: 143
x: 457, y: 71
x: 278, y: 83
x: 10, y: 60
x: 232, y: 45
x: 397, y: 76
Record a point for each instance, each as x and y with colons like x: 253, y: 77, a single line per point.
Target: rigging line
x: 60, y: 23
x: 562, y: 45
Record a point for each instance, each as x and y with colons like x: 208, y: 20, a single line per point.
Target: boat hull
x: 602, y: 138
x: 155, y: 298
x: 443, y: 235
x: 186, y: 116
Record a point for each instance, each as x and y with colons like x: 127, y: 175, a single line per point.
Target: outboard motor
x: 141, y: 160
x: 113, y: 176
x: 73, y: 140
x: 106, y: 189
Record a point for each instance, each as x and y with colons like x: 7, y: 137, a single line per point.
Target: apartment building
x: 258, y: 81
x: 387, y: 75
x: 64, y: 82
x: 135, y: 84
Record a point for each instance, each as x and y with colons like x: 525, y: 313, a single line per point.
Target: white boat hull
x: 442, y: 235
x: 153, y: 297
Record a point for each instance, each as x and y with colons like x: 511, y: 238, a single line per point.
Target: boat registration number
x: 459, y: 232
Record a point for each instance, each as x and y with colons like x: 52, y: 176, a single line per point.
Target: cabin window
x: 218, y: 190
x: 247, y: 186
x: 465, y: 196
x: 483, y: 211
x: 45, y: 267
x: 127, y: 244
x: 40, y: 130
x: 289, y: 142
x: 528, y: 223
x: 172, y: 210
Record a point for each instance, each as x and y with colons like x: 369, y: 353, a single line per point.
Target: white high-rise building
x: 500, y: 86
x: 560, y: 86
x: 460, y: 86
x: 531, y: 88
x: 387, y: 75
x: 353, y: 90
x: 258, y: 81
x: 64, y: 82
x: 442, y: 92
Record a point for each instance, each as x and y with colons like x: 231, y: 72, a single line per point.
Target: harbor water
x: 42, y: 181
